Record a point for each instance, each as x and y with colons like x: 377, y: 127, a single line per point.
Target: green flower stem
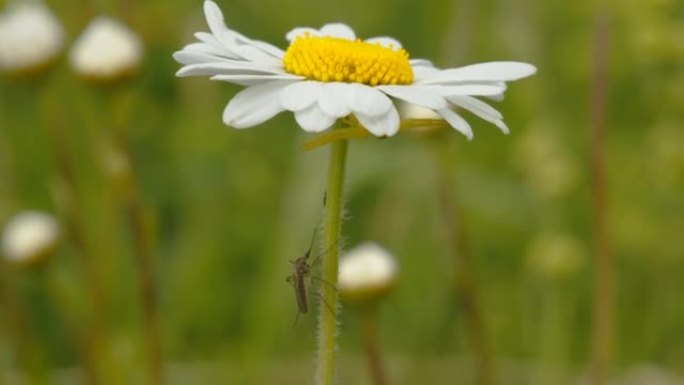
x: 327, y: 315
x: 556, y: 310
x: 143, y: 239
x: 19, y: 328
x: 147, y: 291
x: 369, y: 326
x: 604, y: 264
x: 92, y: 340
x: 466, y: 286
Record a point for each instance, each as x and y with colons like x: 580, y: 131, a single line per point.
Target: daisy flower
x: 327, y: 74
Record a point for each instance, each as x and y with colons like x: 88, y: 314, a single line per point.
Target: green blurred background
x: 228, y: 209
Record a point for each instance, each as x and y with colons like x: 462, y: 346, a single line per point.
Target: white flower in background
x: 327, y: 74
x: 30, y: 37
x: 106, y: 50
x: 366, y: 272
x: 29, y: 236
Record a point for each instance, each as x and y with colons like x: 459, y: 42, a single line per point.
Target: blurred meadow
x: 149, y: 187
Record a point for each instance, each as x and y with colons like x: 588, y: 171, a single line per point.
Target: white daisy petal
x: 300, y: 95
x: 206, y: 49
x: 254, y: 105
x: 300, y: 31
x: 502, y: 126
x: 421, y: 73
x: 216, y: 23
x: 256, y: 55
x: 313, y: 119
x: 457, y: 122
x: 422, y: 96
x: 386, y: 124
x: 268, y: 48
x: 368, y: 100
x: 187, y: 57
x: 225, y: 67
x: 211, y: 40
x: 248, y: 49
x: 335, y: 98
x: 198, y: 53
x: 250, y: 80
x: 232, y: 78
x: 214, y: 17
x: 385, y: 41
x: 208, y: 38
x: 471, y: 89
x: 227, y: 49
x: 421, y: 63
x: 496, y: 98
x: 338, y: 30
x: 481, y: 110
x: 476, y: 106
x: 493, y: 71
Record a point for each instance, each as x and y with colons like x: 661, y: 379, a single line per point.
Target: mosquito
x: 302, y: 270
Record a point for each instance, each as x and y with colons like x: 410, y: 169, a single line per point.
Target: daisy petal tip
x: 381, y: 126
x: 519, y: 70
x: 178, y: 56
x: 503, y: 127
x: 211, y: 8
x: 182, y: 73
x: 339, y: 30
x: 531, y: 69
x: 231, y: 116
x: 235, y: 123
x: 313, y: 119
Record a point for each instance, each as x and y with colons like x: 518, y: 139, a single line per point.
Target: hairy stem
x: 327, y: 315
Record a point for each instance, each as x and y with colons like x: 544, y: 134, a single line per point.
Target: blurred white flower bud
x: 366, y: 273
x: 555, y: 256
x: 29, y: 236
x: 30, y: 38
x: 107, y: 50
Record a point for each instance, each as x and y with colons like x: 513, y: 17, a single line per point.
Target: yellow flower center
x: 331, y: 59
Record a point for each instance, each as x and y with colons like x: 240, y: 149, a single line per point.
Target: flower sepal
x: 352, y: 129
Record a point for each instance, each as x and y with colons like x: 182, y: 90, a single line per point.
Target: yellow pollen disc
x: 330, y: 59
